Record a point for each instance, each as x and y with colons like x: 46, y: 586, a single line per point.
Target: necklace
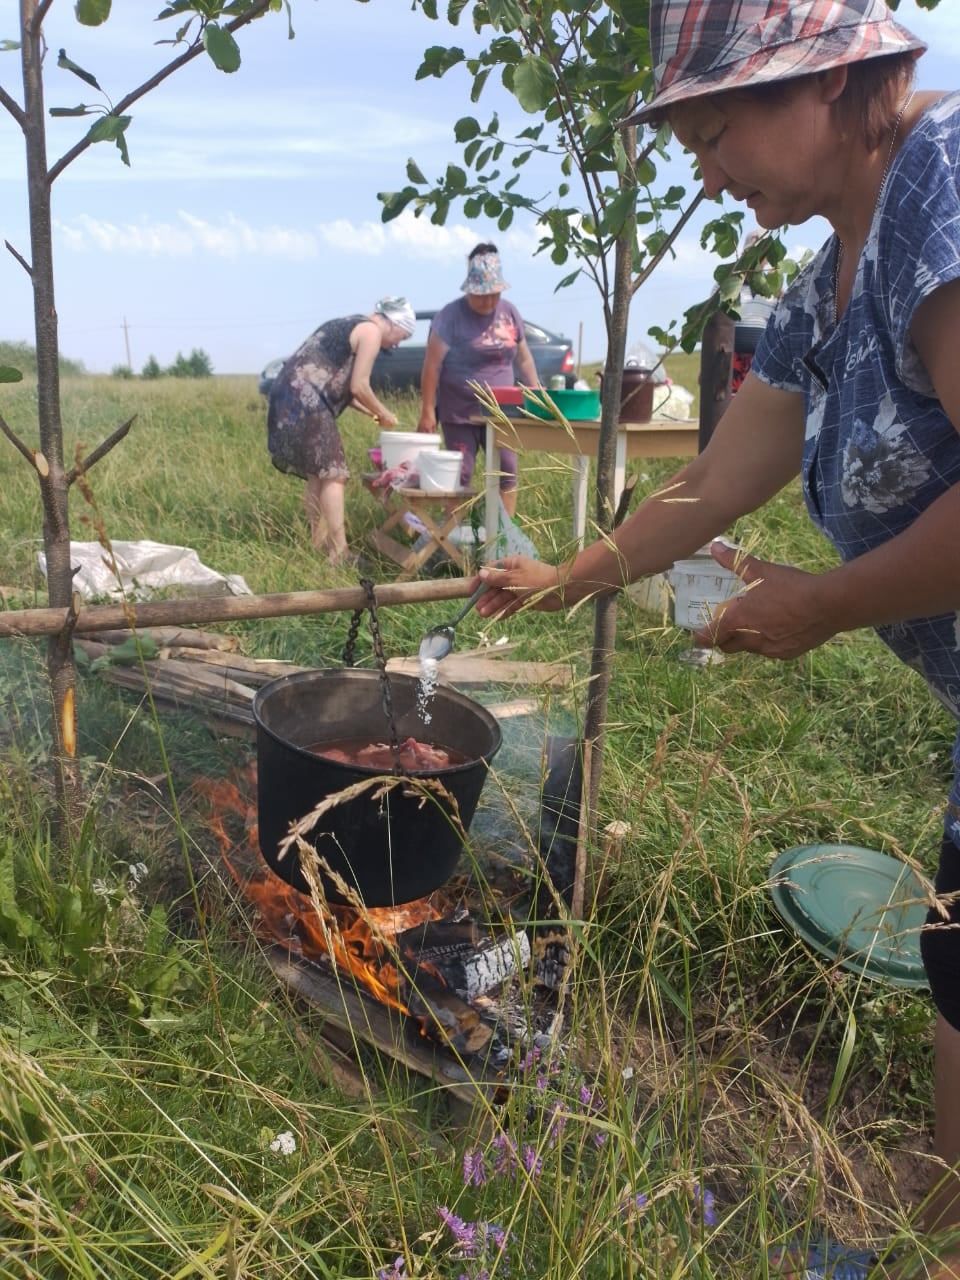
x: 876, y: 205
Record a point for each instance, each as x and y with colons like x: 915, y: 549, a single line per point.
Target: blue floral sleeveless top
x: 879, y: 448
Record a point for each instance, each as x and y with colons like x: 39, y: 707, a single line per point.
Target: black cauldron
x: 392, y: 850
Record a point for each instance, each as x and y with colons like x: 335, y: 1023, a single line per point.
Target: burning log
x: 551, y: 953
x: 446, y: 1017
x: 470, y: 965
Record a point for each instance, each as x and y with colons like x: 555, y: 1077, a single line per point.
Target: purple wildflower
x: 530, y: 1059
x: 557, y: 1123
x: 474, y: 1170
x: 541, y: 1084
x: 464, y: 1233
x: 705, y: 1198
x: 399, y: 1268
x: 635, y: 1203
x: 496, y: 1234
x: 531, y: 1161
x: 586, y: 1097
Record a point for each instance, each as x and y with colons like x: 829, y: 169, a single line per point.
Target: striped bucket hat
x: 709, y: 46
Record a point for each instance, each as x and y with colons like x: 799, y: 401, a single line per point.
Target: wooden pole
x: 716, y: 373
x: 46, y: 622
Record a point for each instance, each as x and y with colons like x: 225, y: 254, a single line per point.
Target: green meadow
x: 720, y: 1089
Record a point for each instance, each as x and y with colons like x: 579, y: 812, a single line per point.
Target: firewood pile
x: 200, y: 671
x: 204, y: 672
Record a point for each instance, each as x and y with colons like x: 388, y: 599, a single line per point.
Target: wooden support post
x: 716, y: 372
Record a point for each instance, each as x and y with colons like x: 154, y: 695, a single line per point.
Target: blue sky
x: 250, y: 213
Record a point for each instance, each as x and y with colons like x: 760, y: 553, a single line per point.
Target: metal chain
x: 350, y: 660
x: 350, y: 648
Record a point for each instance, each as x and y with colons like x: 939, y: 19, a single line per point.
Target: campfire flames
x: 351, y: 939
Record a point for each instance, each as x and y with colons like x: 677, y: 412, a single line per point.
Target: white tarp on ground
x: 144, y: 568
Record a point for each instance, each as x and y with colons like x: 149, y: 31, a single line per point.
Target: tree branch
x: 668, y: 244
x: 39, y: 16
x: 13, y: 107
x: 101, y: 451
x: 69, y: 156
x: 17, y: 443
x: 23, y: 262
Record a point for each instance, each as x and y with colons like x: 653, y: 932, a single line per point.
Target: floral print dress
x: 309, y: 394
x: 879, y: 448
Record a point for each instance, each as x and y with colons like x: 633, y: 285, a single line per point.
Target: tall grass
x: 720, y: 1088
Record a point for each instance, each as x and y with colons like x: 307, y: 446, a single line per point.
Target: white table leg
x: 581, y: 477
x: 491, y: 515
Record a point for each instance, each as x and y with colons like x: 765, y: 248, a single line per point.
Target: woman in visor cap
x: 328, y: 373
x: 477, y: 338
x: 798, y: 109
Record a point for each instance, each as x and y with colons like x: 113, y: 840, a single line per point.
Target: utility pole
x: 126, y: 342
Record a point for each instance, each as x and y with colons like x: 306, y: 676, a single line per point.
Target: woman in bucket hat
x: 328, y: 373
x: 797, y: 109
x: 477, y: 338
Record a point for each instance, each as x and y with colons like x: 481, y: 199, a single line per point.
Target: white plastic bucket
x: 405, y: 446
x: 440, y: 470
x: 699, y: 586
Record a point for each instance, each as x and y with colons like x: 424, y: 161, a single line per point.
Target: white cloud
x: 231, y: 237
x: 228, y: 238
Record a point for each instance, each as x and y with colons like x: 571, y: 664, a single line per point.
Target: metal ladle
x: 439, y: 640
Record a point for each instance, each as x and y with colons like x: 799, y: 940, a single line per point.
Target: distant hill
x: 20, y: 355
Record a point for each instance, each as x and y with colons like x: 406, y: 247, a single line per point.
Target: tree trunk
x: 53, y: 483
x: 605, y: 609
x: 716, y: 368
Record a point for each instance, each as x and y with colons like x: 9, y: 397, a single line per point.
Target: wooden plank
x: 460, y: 670
x: 379, y: 1027
x: 168, y: 637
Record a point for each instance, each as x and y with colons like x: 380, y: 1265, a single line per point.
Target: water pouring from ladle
x: 439, y: 640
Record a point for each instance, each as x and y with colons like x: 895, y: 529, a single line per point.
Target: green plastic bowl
x: 573, y: 405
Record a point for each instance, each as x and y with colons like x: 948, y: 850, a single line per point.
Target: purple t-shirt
x: 481, y: 348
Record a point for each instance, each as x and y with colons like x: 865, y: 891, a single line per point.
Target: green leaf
x: 222, y: 48
x: 394, y: 202
x: 64, y: 62
x: 7, y: 46
x: 505, y: 14
x: 505, y: 219
x: 466, y: 128
x: 636, y: 13
x: 478, y: 82
x: 617, y: 211
x: 91, y: 13
x: 455, y: 178
x: 533, y: 83
x: 81, y: 110
x: 568, y: 280
x: 414, y: 173
x: 112, y: 129
x: 7, y: 374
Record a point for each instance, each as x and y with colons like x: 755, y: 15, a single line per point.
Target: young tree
x: 580, y: 69
x: 204, y: 26
x: 151, y: 369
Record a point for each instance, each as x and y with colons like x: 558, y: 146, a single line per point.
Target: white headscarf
x: 399, y: 312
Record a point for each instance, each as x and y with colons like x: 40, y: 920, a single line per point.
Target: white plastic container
x: 440, y: 470
x: 405, y: 446
x: 699, y: 586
